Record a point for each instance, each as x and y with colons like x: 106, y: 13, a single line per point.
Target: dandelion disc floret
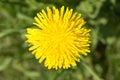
x: 60, y: 38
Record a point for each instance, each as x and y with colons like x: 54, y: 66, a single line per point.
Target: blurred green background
x: 102, y: 17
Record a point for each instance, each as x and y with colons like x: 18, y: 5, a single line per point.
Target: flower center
x: 59, y: 36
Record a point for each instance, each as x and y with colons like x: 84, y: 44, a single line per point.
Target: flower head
x: 60, y: 38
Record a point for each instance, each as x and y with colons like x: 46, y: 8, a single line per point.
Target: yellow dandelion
x: 60, y: 38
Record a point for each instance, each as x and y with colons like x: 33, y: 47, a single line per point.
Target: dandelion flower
x: 60, y: 38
